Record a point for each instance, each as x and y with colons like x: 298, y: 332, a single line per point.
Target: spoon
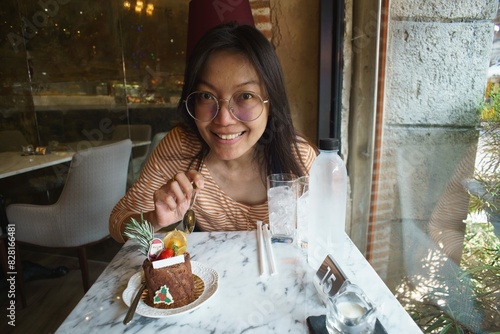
x: 135, y: 302
x: 189, y: 219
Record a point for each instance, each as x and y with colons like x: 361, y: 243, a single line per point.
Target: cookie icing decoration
x: 155, y: 248
x: 163, y: 296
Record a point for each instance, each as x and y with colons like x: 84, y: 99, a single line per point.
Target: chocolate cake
x: 171, y: 286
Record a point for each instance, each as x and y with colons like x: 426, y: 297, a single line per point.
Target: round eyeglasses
x: 244, y: 106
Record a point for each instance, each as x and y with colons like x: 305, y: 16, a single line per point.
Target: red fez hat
x: 206, y: 14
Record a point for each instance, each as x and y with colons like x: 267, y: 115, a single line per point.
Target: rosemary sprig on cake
x: 142, y: 232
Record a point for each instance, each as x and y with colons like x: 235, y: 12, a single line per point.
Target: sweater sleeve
x: 172, y: 155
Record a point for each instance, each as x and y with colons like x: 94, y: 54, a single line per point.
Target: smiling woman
x: 228, y: 136
x: 236, y: 130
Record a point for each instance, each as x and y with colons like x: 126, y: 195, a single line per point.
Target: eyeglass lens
x: 245, y: 106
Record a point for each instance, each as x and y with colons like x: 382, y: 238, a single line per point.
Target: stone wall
x: 437, y: 56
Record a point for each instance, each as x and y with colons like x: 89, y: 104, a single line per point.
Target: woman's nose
x: 224, y: 115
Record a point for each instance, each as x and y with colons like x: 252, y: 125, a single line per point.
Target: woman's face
x: 224, y: 74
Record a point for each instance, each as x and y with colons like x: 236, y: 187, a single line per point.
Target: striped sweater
x: 215, y: 211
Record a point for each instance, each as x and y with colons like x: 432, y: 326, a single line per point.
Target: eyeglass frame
x: 216, y: 99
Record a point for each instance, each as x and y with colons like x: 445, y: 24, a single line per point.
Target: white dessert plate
x: 209, y: 277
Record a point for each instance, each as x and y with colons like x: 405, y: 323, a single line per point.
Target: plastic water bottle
x: 328, y: 201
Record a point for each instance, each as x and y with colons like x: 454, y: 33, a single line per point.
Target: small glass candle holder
x: 350, y: 311
x: 27, y: 150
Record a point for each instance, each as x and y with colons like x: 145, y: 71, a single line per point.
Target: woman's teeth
x: 229, y: 136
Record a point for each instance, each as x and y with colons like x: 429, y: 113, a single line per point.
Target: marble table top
x: 12, y: 163
x: 245, y: 302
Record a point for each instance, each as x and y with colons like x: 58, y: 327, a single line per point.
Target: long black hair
x: 279, y: 140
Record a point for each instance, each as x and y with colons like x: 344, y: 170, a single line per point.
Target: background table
x: 13, y: 163
x: 244, y: 302
x: 85, y: 144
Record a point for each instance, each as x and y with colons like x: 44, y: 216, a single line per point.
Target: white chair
x: 156, y: 140
x: 136, y: 132
x: 40, y: 182
x: 96, y: 181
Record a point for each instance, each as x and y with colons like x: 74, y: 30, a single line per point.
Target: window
x: 414, y: 146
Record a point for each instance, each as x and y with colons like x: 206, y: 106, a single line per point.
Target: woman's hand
x: 173, y: 198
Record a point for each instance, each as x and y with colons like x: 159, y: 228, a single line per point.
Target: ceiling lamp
x: 139, y: 6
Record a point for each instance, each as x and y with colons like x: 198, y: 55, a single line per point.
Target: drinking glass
x: 350, y: 311
x: 282, y: 203
x: 303, y: 211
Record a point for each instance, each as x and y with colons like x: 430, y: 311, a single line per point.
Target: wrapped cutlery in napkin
x: 260, y: 249
x: 269, y: 249
x: 264, y: 246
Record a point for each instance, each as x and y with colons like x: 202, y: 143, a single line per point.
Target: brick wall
x: 262, y: 16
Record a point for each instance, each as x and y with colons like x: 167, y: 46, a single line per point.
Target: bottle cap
x: 329, y: 144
